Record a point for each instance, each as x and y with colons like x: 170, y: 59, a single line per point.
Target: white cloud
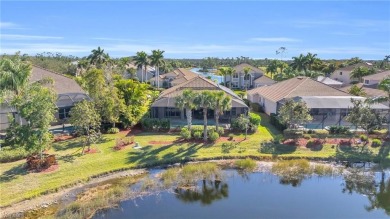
x: 33, y: 48
x: 27, y: 37
x: 7, y: 25
x: 355, y: 51
x: 274, y: 39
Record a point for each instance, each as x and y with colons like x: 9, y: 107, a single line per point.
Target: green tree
x: 359, y: 73
x: 357, y: 91
x: 354, y: 60
x: 204, y: 100
x: 272, y: 68
x: 98, y: 57
x: 294, y: 113
x: 142, y: 61
x: 85, y: 118
x: 37, y: 106
x: 94, y: 82
x: 223, y: 72
x: 311, y: 59
x: 132, y: 72
x: 157, y: 60
x: 299, y: 63
x: 385, y: 86
x: 230, y: 71
x: 246, y: 74
x: 187, y: 101
x: 361, y: 115
x: 220, y: 103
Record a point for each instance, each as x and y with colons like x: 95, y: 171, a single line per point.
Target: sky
x: 189, y: 29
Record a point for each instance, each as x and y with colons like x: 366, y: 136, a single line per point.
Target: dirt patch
x: 133, y: 131
x: 52, y: 168
x: 227, y: 139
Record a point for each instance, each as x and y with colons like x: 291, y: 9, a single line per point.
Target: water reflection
x: 210, y: 191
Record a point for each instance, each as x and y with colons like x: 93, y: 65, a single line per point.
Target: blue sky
x: 332, y: 29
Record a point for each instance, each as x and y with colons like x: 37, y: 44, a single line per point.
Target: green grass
x: 16, y: 184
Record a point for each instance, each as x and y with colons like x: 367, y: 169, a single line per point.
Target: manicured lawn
x: 17, y: 184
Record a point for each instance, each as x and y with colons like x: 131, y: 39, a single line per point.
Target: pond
x: 213, y: 76
x: 264, y: 195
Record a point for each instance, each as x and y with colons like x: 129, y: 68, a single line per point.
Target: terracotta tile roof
x: 197, y: 84
x: 298, y: 86
x: 62, y: 84
x: 265, y: 80
x: 240, y: 68
x: 378, y: 77
x: 351, y: 67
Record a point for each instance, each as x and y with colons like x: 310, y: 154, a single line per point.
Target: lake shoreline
x: 69, y: 194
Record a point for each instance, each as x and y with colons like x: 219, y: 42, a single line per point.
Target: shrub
x: 363, y: 138
x: 112, y: 131
x: 310, y: 131
x: 151, y: 124
x: 231, y: 136
x: 254, y: 119
x: 226, y: 147
x: 292, y: 133
x: 307, y: 136
x: 199, y: 128
x: 213, y: 136
x: 9, y: 155
x: 256, y: 107
x: 198, y: 135
x: 338, y: 130
x: 376, y: 143
x: 322, y: 133
x: 242, y: 122
x: 247, y: 164
x: 185, y: 133
x: 275, y: 122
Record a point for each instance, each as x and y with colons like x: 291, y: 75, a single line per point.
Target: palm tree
x: 246, y: 73
x: 204, y: 101
x: 359, y: 73
x: 299, y: 63
x: 223, y: 72
x: 281, y: 65
x: 141, y: 60
x: 157, y: 60
x: 310, y: 60
x: 221, y: 103
x: 385, y: 86
x: 272, y: 68
x: 186, y: 101
x: 98, y: 57
x: 230, y: 71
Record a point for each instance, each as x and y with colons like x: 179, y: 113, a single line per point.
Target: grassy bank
x: 17, y: 184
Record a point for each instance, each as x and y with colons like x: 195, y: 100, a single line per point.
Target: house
x: 67, y: 89
x: 263, y: 81
x: 240, y: 81
x: 373, y: 80
x: 140, y: 74
x: 164, y: 106
x: 344, y: 74
x: 328, y: 105
x: 329, y: 81
x: 174, y: 77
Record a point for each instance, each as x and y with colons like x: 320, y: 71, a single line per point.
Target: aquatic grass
x: 246, y: 164
x: 169, y: 176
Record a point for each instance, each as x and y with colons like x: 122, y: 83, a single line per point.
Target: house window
x: 341, y: 73
x: 172, y: 112
x: 366, y: 81
x: 235, y: 84
x: 233, y: 111
x: 63, y: 113
x: 235, y: 75
x: 247, y: 77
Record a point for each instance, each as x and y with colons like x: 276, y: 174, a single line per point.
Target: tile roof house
x: 344, y: 74
x: 239, y: 80
x: 150, y: 71
x: 67, y: 89
x: 329, y: 81
x: 164, y: 106
x: 374, y: 79
x: 174, y: 77
x: 328, y: 105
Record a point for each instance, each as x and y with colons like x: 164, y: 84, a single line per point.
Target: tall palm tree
x: 310, y: 60
x: 204, y: 101
x: 359, y: 73
x: 98, y: 57
x: 246, y: 73
x: 141, y: 60
x: 223, y: 72
x: 221, y: 102
x: 157, y: 60
x: 230, y: 71
x: 299, y: 63
x: 186, y: 101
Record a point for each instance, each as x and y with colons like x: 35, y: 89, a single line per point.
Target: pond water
x: 213, y: 76
x: 264, y: 195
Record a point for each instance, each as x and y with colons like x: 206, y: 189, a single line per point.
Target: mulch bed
x: 52, y: 168
x: 133, y: 131
x: 91, y: 151
x: 121, y: 147
x: 160, y: 142
x: 227, y: 139
x: 62, y: 138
